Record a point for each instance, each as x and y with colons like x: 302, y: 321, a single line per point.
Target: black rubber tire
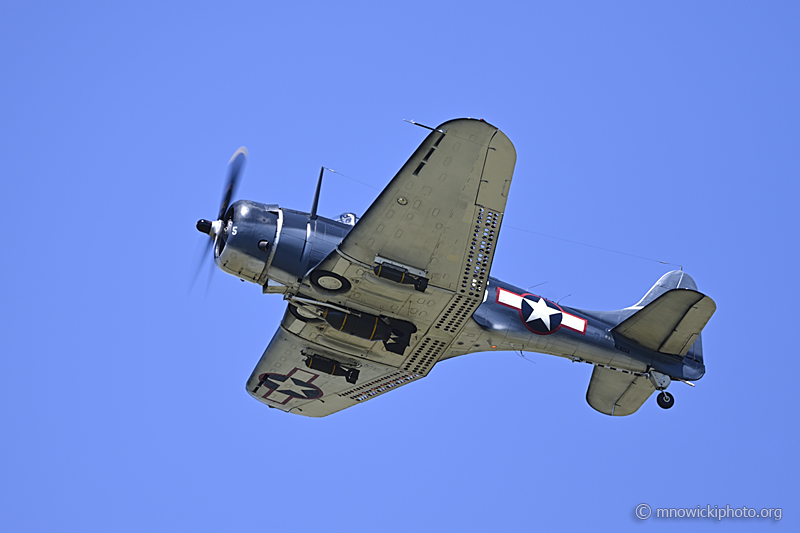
x: 665, y: 400
x: 319, y: 278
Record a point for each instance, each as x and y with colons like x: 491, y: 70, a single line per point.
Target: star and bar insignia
x: 539, y: 314
x: 294, y: 385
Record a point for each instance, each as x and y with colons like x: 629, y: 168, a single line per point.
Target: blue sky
x: 667, y: 130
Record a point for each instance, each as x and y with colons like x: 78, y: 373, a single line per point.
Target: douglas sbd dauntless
x: 375, y: 303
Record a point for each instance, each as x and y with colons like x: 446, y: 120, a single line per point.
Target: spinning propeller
x: 214, y: 229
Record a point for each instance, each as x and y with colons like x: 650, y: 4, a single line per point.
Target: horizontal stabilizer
x: 671, y: 323
x: 617, y: 393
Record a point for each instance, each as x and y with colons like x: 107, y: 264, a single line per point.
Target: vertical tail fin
x: 677, y: 279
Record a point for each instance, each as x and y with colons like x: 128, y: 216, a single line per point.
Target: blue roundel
x: 539, y: 315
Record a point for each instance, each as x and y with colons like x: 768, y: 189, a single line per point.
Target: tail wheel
x: 665, y: 400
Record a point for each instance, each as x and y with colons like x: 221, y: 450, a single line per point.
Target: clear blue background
x: 668, y: 130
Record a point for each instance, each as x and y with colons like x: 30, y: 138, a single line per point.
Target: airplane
x: 375, y: 303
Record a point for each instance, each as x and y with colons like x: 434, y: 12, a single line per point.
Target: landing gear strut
x: 665, y: 400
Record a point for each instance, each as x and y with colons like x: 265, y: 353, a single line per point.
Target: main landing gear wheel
x: 329, y: 282
x: 665, y: 400
x: 303, y: 315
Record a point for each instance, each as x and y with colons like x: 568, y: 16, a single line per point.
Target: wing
x: 617, y: 393
x: 421, y: 254
x: 306, y: 378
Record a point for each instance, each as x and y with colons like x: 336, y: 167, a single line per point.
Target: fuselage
x: 276, y: 248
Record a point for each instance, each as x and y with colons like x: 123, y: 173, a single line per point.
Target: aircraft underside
x: 375, y: 303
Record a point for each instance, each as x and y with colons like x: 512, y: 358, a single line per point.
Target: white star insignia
x: 289, y: 387
x: 541, y: 310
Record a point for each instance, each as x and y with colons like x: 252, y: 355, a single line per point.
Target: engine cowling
x: 244, y: 244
